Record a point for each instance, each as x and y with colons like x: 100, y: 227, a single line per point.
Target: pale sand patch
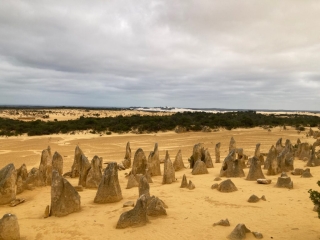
x: 191, y: 213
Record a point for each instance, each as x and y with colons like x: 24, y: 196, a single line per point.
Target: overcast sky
x: 181, y: 53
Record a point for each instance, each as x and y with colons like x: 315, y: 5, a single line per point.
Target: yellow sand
x: 287, y: 214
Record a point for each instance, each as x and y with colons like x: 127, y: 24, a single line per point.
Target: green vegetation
x: 315, y: 198
x: 140, y: 124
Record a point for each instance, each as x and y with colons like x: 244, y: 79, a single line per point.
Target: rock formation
x: 255, y: 171
x: 22, y: 175
x: 231, y: 166
x: 132, y: 182
x: 239, y: 232
x: 207, y: 159
x: 184, y: 182
x: 227, y: 186
x: 284, y: 181
x: 217, y: 152
x: 139, y: 164
x: 94, y: 175
x: 46, y: 159
x: 271, y: 162
x: 199, y: 168
x: 304, y: 151
x: 264, y: 181
x: 109, y: 188
x: 8, y: 177
x: 222, y: 222
x: 136, y: 216
x: 306, y: 173
x: 178, y: 162
x: 75, y: 169
x: 84, y: 167
x: 191, y: 186
x: 279, y: 146
x: 199, y: 153
x: 297, y: 171
x: 253, y: 199
x: 314, y: 160
x: 127, y: 157
x: 155, y: 207
x: 154, y: 162
x: 9, y: 227
x: 64, y: 198
x: 232, y: 144
x: 144, y: 188
x: 57, y: 163
x: 286, y: 157
x: 168, y: 172
x: 34, y: 178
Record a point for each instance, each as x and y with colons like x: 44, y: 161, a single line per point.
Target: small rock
x: 222, y: 222
x: 253, y: 199
x: 239, y: 232
x: 128, y: 204
x: 263, y: 181
x: 79, y: 188
x: 191, y: 185
x: 217, y: 179
x: 214, y: 186
x: 47, y: 212
x: 9, y: 227
x: 257, y: 235
x: 184, y: 183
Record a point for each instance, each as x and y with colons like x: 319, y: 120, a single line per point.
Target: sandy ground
x: 287, y: 214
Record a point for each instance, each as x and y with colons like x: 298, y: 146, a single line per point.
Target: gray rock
x: 144, y: 188
x: 84, y: 167
x: 109, y: 188
x: 284, y: 181
x: 127, y: 157
x: 253, y: 199
x: 232, y: 144
x: 306, y: 173
x: 136, y: 216
x: 191, y: 185
x: 227, y: 186
x: 271, y: 163
x: 64, y: 198
x: 34, y: 178
x: 178, y: 162
x: 222, y: 222
x: 168, y: 172
x: 94, y: 174
x: 22, y: 175
x: 217, y: 152
x: 139, y: 164
x: 239, y: 232
x: 8, y: 177
x: 199, y: 168
x: 231, y: 166
x: 9, y: 227
x: 156, y: 207
x: 207, y: 159
x: 46, y: 159
x: 154, y: 162
x: 57, y: 163
x: 75, y: 169
x: 184, y: 182
x: 255, y: 171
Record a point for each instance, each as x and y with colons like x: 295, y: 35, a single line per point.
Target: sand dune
x: 287, y: 214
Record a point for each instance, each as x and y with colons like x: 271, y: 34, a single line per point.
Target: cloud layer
x: 224, y: 54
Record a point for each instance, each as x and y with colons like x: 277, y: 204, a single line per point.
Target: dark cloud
x: 227, y: 54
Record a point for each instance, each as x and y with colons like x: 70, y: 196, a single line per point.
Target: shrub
x: 315, y: 198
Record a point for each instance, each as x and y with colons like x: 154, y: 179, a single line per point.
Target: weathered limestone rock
x: 156, y: 207
x: 271, y: 162
x: 279, y: 146
x: 191, y: 186
x: 9, y: 227
x: 34, y: 178
x: 297, y: 171
x: 84, y: 167
x: 46, y: 159
x: 22, y: 175
x: 208, y: 159
x: 178, y: 162
x: 168, y: 172
x: 139, y: 164
x: 304, y: 151
x: 75, y: 169
x: 94, y: 175
x: 217, y: 152
x: 286, y: 157
x: 306, y: 173
x: 132, y: 182
x: 284, y: 181
x: 263, y: 181
x: 239, y: 232
x: 241, y: 157
x: 136, y: 216
x: 128, y: 204
x: 257, y: 235
x: 253, y: 199
x: 109, y: 188
x: 199, y: 168
x: 215, y: 186
x: 57, y: 163
x: 231, y: 166
x: 217, y: 179
x: 184, y: 183
x: 232, y: 144
x: 154, y: 162
x: 47, y: 212
x: 255, y: 171
x: 144, y: 188
x: 8, y: 177
x: 127, y: 157
x: 64, y: 198
x: 227, y: 186
x: 197, y: 154
x: 222, y: 222
x: 78, y: 188
x: 313, y: 160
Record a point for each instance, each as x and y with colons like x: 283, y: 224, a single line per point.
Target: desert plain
x: 286, y: 213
